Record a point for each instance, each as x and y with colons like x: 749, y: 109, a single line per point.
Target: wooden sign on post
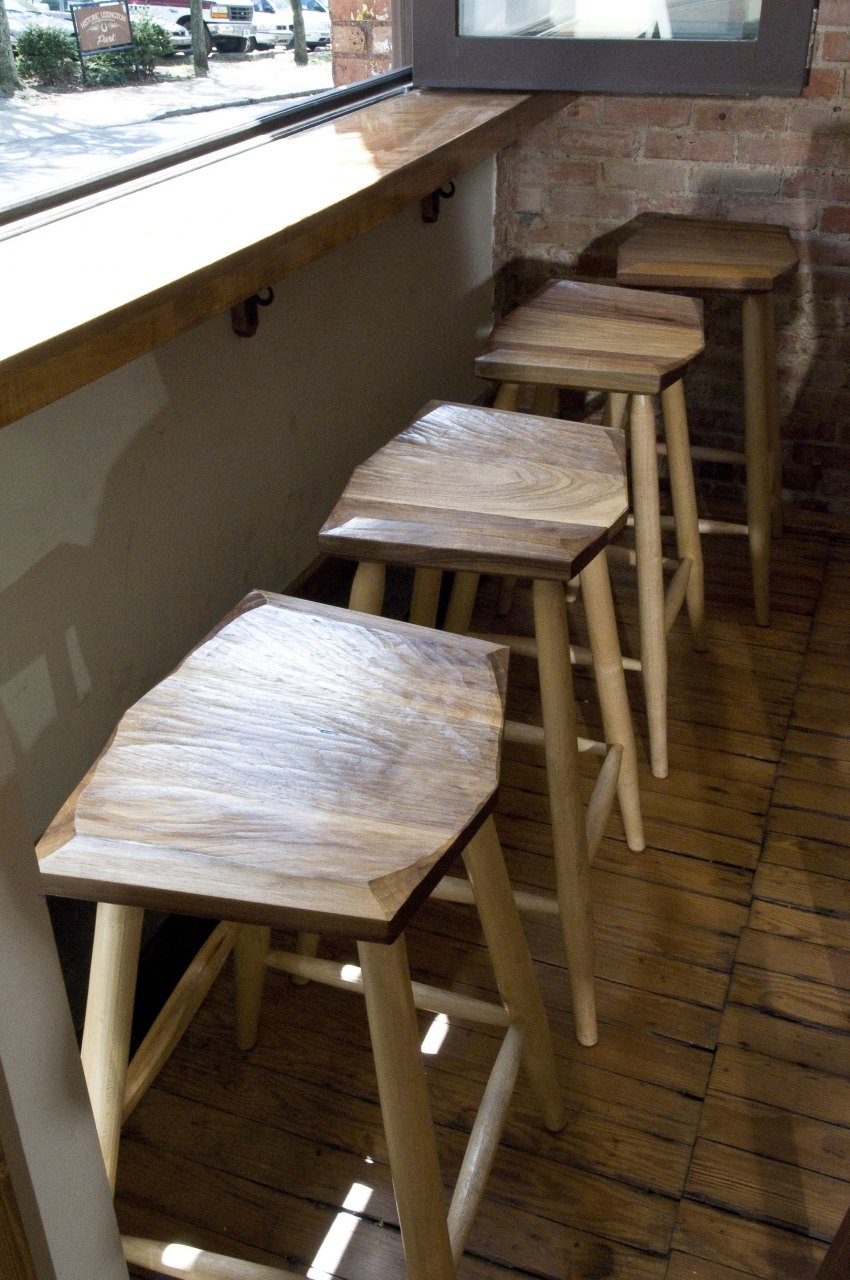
x: 102, y: 26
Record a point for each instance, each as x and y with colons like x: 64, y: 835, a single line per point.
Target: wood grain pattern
x: 669, y: 251
x: 313, y: 190
x: 479, y: 489
x: 285, y: 774
x: 707, y: 1129
x: 597, y: 337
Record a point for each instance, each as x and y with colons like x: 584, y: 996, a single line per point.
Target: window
x: 61, y: 146
x: 729, y: 47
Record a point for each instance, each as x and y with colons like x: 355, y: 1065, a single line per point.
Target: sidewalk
x: 51, y: 138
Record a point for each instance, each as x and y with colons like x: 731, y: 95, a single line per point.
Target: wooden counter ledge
x: 117, y: 289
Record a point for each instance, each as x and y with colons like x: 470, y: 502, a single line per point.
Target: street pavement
x: 50, y: 138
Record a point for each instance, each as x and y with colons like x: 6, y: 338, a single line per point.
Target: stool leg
x: 685, y: 504
x: 771, y: 395
x: 760, y: 480
x: 650, y: 578
x: 513, y: 967
x: 426, y: 597
x: 252, y: 947
x: 462, y: 603
x: 367, y: 589
x: 109, y: 1016
x: 616, y: 405
x: 572, y: 867
x: 406, y: 1111
x: 611, y: 688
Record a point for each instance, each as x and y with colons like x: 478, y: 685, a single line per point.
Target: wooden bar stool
x: 749, y: 259
x: 635, y: 346
x: 478, y: 490
x: 309, y: 768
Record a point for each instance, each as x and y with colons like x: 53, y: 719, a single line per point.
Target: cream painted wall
x: 138, y: 510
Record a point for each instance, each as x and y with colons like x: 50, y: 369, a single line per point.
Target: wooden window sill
x: 100, y: 285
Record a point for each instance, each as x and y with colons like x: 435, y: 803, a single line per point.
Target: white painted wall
x: 138, y: 510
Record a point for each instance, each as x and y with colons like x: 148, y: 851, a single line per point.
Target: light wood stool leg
x: 513, y: 967
x: 616, y: 406
x: 771, y: 395
x: 572, y: 867
x: 760, y: 479
x: 109, y: 1017
x: 611, y: 688
x: 685, y: 504
x: 368, y: 587
x: 653, y: 636
x: 252, y: 947
x: 426, y: 597
x: 406, y: 1111
x: 462, y: 603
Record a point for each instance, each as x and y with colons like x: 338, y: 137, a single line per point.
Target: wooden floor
x: 708, y: 1133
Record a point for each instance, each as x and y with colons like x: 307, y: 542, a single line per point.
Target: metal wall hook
x: 431, y: 203
x: 245, y: 316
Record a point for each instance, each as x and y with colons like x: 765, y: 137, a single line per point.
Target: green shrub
x: 151, y: 46
x: 47, y: 55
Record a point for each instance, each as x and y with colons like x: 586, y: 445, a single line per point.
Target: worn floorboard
x: 708, y: 1132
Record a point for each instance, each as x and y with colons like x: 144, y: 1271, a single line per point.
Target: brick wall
x: 567, y: 189
x: 361, y: 39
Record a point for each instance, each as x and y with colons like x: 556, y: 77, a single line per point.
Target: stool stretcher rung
x: 628, y: 556
x: 176, y: 1014
x: 452, y: 889
x: 531, y: 735
x: 675, y: 594
x: 195, y: 1264
x: 484, y: 1140
x: 433, y: 999
x: 602, y: 799
x: 702, y: 453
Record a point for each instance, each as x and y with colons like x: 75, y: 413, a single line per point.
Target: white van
x: 228, y: 26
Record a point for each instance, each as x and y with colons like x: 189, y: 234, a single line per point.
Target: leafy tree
x: 9, y: 81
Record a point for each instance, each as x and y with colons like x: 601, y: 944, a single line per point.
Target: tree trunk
x: 298, y: 33
x: 199, y: 39
x: 9, y: 81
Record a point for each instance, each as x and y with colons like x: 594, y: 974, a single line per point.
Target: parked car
x: 180, y: 37
x: 275, y: 17
x: 22, y: 14
x: 272, y: 27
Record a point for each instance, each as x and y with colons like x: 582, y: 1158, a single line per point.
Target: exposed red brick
x: 784, y: 150
x: 603, y: 203
x: 600, y: 142
x: 664, y: 144
x: 834, y: 13
x: 823, y: 83
x: 836, y: 220
x: 672, y: 112
x: 652, y: 177
x: 746, y: 118
x: 835, y: 46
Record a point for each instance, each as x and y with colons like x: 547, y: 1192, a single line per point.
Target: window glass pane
x: 87, y: 126
x: 611, y: 19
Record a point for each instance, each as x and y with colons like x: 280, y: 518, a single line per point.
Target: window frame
x: 776, y: 63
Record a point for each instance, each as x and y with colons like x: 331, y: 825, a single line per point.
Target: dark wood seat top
x: 487, y: 491
x: 595, y: 337
x: 305, y: 766
x: 673, y: 252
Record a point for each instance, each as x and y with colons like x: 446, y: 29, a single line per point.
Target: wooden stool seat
x: 478, y: 490
x: 634, y: 346
x: 596, y: 338
x: 309, y: 768
x: 750, y: 259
